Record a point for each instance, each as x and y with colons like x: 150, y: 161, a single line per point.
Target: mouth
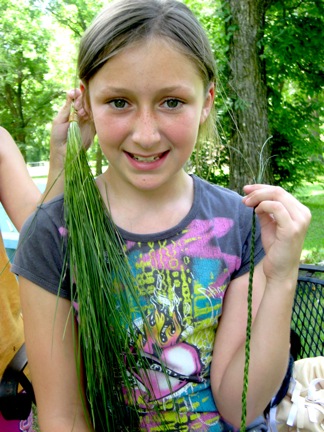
x: 147, y: 159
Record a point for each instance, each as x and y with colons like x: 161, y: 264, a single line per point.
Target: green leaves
x: 25, y: 94
x: 38, y: 57
x: 294, y: 52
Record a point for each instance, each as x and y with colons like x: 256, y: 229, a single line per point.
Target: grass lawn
x: 312, y: 195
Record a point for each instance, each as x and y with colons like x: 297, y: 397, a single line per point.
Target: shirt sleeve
x: 41, y: 252
x: 246, y: 230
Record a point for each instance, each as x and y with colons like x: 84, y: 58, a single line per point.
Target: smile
x: 146, y: 159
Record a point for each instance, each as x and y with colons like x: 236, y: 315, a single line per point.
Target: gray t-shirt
x: 182, y: 273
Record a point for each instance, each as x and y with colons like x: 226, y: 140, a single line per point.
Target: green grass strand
x: 248, y: 328
x: 97, y: 260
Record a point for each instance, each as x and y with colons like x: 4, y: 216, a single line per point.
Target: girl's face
x: 147, y: 103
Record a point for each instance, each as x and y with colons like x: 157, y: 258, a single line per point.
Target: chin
x: 148, y: 183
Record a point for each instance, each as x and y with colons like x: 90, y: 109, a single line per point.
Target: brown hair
x: 124, y: 22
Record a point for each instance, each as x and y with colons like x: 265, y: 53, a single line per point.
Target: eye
x: 173, y: 103
x: 118, y: 103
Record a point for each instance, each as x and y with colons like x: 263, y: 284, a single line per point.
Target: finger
x: 64, y: 113
x: 259, y: 193
x: 83, y: 115
x: 274, y: 210
x: 72, y: 96
x: 77, y: 100
x: 251, y: 187
x: 254, y: 189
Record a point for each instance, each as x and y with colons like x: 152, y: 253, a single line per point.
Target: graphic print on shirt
x: 182, y: 283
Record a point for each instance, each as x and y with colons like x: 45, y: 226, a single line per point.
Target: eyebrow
x: 168, y: 89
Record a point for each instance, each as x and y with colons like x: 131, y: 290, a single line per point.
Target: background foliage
x: 37, y: 60
x: 294, y: 56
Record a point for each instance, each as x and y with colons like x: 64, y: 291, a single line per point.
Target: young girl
x: 148, y: 81
x: 19, y: 196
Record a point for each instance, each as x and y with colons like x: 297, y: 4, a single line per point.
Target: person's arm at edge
x: 18, y: 193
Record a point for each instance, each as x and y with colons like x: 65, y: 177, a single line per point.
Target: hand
x: 61, y: 124
x: 284, y: 222
x: 55, y: 179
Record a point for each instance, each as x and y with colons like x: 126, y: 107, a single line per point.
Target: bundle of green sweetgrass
x: 105, y: 289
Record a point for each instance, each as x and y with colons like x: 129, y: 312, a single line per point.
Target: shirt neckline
x: 126, y: 235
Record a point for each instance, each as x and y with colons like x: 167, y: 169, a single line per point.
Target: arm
x: 284, y: 222
x: 51, y: 354
x: 18, y: 193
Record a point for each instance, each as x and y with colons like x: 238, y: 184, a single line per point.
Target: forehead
x: 152, y: 58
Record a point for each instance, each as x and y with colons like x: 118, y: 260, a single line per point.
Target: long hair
x: 126, y: 22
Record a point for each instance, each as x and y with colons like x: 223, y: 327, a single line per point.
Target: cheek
x: 110, y: 132
x: 184, y: 131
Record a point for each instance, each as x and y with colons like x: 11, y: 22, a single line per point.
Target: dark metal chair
x: 308, y: 311
x: 16, y: 405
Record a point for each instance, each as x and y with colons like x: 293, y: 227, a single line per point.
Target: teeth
x: 146, y: 159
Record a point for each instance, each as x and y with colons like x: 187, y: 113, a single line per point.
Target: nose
x: 146, y: 131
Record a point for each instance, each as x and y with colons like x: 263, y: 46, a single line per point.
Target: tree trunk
x: 247, y: 82
x: 98, y: 160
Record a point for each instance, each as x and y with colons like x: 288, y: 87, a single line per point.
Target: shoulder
x: 42, y: 246
x: 225, y: 213
x: 47, y: 222
x: 213, y: 187
x: 54, y: 206
x: 51, y: 211
x: 215, y: 190
x: 219, y: 201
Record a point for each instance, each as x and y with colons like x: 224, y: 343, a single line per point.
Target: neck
x: 148, y: 211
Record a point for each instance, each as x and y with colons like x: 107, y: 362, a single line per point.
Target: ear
x: 208, y: 104
x: 88, y: 129
x: 85, y: 99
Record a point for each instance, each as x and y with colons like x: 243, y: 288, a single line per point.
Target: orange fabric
x: 11, y: 323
